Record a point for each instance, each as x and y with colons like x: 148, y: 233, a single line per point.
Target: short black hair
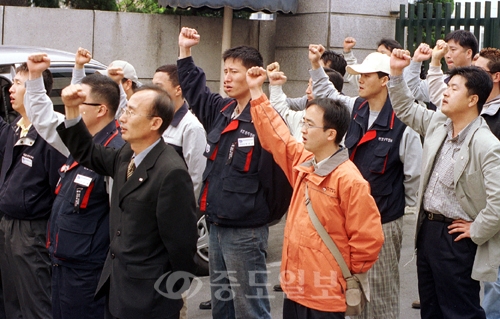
x: 477, y: 81
x: 103, y: 90
x: 163, y: 107
x: 336, y: 116
x: 248, y: 56
x: 465, y: 38
x: 334, y: 61
x: 171, y: 70
x: 48, y: 80
x: 336, y: 78
x: 390, y: 44
x: 381, y: 74
x: 23, y: 68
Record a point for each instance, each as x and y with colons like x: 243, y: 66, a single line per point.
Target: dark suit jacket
x: 152, y: 224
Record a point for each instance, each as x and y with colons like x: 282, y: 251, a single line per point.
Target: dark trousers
x: 73, y: 293
x: 10, y: 302
x: 293, y: 310
x: 26, y: 270
x: 2, y: 260
x: 444, y: 269
x: 2, y: 307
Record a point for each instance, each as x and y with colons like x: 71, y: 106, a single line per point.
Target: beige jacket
x: 476, y: 175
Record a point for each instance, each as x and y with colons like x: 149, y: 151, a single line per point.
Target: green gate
x: 416, y: 28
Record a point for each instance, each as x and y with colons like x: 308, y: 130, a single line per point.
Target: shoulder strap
x: 326, y: 238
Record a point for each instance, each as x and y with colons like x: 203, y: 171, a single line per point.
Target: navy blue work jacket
x: 242, y: 185
x: 28, y: 175
x: 78, y: 229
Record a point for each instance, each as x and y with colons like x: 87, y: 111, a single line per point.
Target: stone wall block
x: 301, y: 30
x: 51, y: 28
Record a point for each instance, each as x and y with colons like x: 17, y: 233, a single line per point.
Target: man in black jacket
x: 28, y: 180
x: 242, y: 185
x: 152, y: 219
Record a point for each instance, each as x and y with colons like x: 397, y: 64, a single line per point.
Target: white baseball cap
x: 374, y: 62
x: 128, y: 71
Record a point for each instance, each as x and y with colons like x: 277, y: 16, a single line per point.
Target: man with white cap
x: 388, y: 155
x: 130, y: 81
x: 120, y: 71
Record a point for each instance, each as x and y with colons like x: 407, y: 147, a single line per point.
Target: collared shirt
x: 327, y: 165
x: 318, y: 165
x: 323, y: 163
x: 440, y: 196
x: 24, y: 129
x: 138, y: 158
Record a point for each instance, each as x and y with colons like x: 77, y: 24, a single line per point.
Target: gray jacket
x: 476, y: 175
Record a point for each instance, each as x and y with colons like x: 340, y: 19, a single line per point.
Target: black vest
x: 493, y: 122
x: 242, y: 185
x: 375, y: 152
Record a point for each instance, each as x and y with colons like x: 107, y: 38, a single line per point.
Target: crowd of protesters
x: 99, y: 206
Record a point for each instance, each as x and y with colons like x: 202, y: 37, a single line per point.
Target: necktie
x: 130, y: 168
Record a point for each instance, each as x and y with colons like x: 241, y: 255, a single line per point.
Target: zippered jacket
x: 28, y: 175
x: 242, y: 185
x: 78, y: 229
x: 341, y: 199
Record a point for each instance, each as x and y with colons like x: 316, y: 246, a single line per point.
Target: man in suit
x: 152, y: 218
x: 457, y: 235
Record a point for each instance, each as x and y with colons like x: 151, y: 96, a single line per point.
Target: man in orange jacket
x: 310, y: 276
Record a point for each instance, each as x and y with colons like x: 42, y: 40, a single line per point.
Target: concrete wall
x: 328, y: 22
x: 148, y: 41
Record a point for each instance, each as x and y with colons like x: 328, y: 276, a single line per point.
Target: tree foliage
x: 141, y: 6
x: 151, y: 6
x: 46, y: 3
x: 105, y: 5
x: 208, y: 12
x: 15, y: 3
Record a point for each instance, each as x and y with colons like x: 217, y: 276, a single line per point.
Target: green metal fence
x: 421, y: 25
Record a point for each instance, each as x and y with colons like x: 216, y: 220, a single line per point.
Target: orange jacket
x: 340, y: 198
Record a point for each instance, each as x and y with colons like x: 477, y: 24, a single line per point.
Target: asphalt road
x: 200, y: 290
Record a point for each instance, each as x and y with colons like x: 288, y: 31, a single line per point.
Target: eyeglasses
x: 307, y: 126
x: 128, y: 113
x: 92, y: 104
